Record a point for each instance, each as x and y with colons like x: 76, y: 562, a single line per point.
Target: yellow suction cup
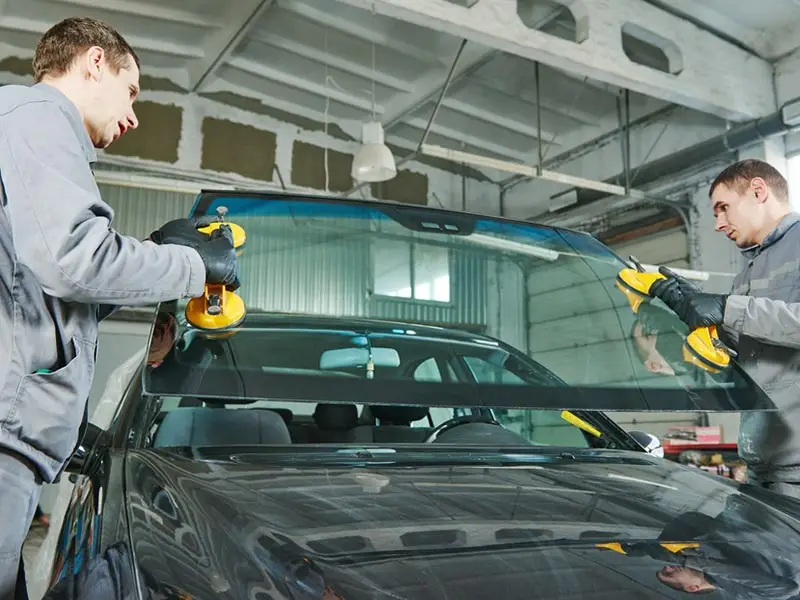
x: 702, y: 347
x: 239, y: 236
x: 636, y: 286
x: 218, y: 308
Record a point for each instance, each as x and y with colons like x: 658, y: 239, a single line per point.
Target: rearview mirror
x: 78, y: 459
x: 351, y: 358
x: 649, y: 442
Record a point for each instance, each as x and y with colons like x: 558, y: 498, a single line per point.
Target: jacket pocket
x: 48, y: 408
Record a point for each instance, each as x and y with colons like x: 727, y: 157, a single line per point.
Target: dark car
x: 418, y: 404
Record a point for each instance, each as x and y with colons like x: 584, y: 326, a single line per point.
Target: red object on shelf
x: 702, y: 447
x: 692, y: 436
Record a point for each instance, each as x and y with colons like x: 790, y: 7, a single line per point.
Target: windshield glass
x: 351, y: 302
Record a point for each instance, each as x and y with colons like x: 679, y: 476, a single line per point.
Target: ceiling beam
x: 139, y: 43
x: 305, y: 50
x: 238, y: 18
x: 264, y: 71
x: 428, y: 87
x: 709, y: 79
x: 497, y: 118
x: 162, y: 13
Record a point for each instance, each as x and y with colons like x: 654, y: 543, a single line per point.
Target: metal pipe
x: 537, y: 76
x: 591, y: 145
x: 725, y: 143
x: 442, y: 94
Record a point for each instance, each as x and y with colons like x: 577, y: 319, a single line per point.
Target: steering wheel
x: 455, y: 422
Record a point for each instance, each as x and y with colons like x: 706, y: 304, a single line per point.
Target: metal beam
x: 712, y: 69
x: 238, y: 18
x: 273, y: 74
x: 162, y: 13
x: 36, y: 27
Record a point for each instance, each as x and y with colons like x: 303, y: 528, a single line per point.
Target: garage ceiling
x: 768, y: 28
x: 314, y: 59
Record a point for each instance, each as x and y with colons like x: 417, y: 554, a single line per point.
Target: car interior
x: 196, y: 422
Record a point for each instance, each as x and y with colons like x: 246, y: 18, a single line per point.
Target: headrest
x: 398, y: 415
x: 336, y: 416
x: 285, y: 414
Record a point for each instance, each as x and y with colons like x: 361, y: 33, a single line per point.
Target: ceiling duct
x: 780, y: 123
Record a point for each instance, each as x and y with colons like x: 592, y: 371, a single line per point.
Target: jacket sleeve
x: 770, y: 321
x: 62, y: 228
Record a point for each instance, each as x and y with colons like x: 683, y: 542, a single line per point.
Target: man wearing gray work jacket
x: 760, y: 318
x: 62, y: 266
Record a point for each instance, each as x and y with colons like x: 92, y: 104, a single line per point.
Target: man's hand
x: 183, y: 232
x: 693, y: 307
x: 216, y: 249
x: 219, y: 256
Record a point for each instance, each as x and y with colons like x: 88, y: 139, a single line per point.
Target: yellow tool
x: 575, y: 420
x: 702, y: 346
x: 218, y: 308
x: 674, y: 547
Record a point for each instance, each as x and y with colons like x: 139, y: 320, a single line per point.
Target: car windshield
x: 356, y: 303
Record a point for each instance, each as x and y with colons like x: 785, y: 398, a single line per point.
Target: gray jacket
x: 61, y: 265
x: 762, y: 323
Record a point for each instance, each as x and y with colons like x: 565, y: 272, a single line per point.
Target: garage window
x: 407, y: 270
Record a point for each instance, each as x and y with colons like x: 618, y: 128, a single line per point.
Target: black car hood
x: 241, y: 527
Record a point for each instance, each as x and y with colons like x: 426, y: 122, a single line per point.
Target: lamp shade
x: 373, y: 161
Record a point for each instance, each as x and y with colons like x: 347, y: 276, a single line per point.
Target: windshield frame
x: 587, y: 398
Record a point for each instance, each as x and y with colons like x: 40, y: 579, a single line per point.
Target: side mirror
x: 90, y: 438
x: 649, y: 442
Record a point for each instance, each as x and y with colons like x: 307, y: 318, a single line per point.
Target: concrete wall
x: 244, y: 140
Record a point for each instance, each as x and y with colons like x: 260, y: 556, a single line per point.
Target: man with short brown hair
x: 62, y: 266
x: 760, y: 318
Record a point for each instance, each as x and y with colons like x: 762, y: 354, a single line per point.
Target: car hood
x: 243, y: 527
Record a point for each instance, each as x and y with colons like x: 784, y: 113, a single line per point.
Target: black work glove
x: 183, y: 232
x: 216, y: 249
x: 219, y: 257
x: 693, y: 307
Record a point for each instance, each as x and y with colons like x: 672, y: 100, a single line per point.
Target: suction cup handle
x: 214, y: 305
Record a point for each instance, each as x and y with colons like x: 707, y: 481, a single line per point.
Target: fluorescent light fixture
x: 685, y: 273
x: 512, y: 246
x: 529, y: 171
x: 374, y: 161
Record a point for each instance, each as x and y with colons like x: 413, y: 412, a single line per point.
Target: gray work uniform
x: 762, y: 323
x: 61, y: 267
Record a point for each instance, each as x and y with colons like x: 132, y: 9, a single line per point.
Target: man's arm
x: 770, y: 321
x: 62, y: 228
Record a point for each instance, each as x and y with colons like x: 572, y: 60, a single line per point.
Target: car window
x: 188, y: 421
x: 349, y: 299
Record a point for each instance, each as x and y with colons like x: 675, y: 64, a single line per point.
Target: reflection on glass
x: 505, y: 307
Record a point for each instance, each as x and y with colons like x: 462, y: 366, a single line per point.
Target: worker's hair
x: 63, y: 42
x: 739, y: 175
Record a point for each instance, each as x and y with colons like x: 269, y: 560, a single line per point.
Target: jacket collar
x: 74, y: 117
x: 773, y: 236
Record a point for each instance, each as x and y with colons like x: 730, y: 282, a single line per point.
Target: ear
x: 95, y: 61
x: 760, y: 189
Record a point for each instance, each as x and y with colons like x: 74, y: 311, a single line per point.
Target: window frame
x: 412, y: 277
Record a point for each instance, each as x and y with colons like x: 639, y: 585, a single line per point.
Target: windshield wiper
x: 424, y: 454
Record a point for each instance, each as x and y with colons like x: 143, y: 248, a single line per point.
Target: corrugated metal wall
x: 137, y: 211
